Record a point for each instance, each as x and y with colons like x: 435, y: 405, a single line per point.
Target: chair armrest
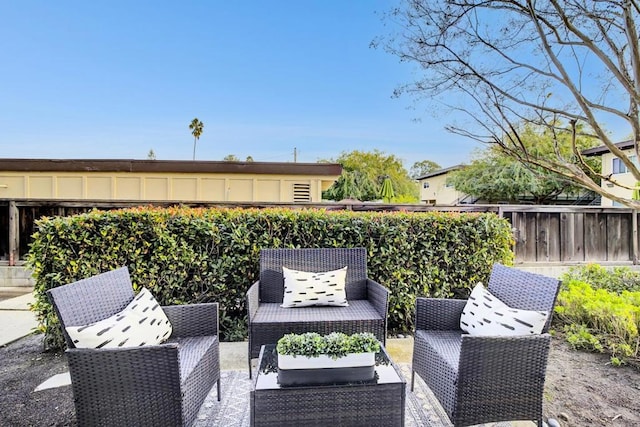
x: 504, y: 361
x: 253, y: 300
x: 152, y: 371
x: 439, y: 313
x: 192, y: 320
x: 378, y: 295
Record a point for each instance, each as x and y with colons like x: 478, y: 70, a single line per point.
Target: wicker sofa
x: 150, y: 385
x: 268, y: 322
x: 480, y: 379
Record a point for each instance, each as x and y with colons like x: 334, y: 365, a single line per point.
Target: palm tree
x: 196, y: 127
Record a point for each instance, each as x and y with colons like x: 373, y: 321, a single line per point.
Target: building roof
x: 601, y: 149
x: 440, y: 172
x: 179, y: 166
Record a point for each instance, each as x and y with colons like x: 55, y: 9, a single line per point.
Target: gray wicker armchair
x: 480, y: 379
x: 268, y: 322
x: 150, y: 385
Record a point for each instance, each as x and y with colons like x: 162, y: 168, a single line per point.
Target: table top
x: 267, y: 376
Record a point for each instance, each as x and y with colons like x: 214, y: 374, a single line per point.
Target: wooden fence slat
x: 595, y: 236
x: 618, y: 237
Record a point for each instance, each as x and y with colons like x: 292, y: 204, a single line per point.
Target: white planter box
x: 321, y: 362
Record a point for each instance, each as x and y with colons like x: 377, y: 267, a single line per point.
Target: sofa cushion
x: 141, y: 322
x: 303, y: 289
x: 358, y: 310
x: 484, y: 314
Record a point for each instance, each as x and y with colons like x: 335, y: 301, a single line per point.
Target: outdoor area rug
x: 422, y: 408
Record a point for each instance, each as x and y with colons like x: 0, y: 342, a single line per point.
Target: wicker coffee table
x: 359, y: 403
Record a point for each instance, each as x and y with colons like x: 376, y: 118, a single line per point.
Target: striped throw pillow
x: 303, y: 289
x: 142, y: 322
x: 484, y: 314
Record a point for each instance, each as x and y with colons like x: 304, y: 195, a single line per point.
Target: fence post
x: 634, y: 233
x: 14, y: 233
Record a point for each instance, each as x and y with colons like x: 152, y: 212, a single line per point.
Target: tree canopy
x: 197, y: 127
x: 364, y: 173
x: 496, y: 177
x: 506, y: 64
x: 230, y: 158
x: 422, y: 168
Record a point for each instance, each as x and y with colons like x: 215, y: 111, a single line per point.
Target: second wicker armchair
x: 480, y: 379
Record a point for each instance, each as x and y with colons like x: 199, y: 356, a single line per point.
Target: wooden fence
x: 542, y: 234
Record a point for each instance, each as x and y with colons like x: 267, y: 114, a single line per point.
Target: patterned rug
x: 422, y: 408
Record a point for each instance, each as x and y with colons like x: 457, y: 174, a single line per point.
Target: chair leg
x: 249, y: 364
x: 413, y: 378
x: 218, y: 389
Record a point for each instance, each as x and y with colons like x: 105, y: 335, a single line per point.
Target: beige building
x: 162, y: 180
x: 435, y: 190
x: 611, y: 164
x: 31, y: 188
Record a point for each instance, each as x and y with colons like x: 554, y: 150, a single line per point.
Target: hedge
x: 191, y: 255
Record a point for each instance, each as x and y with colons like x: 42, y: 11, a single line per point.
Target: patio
x: 26, y: 367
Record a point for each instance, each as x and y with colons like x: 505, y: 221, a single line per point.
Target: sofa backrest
x: 92, y: 299
x: 312, y: 260
x: 524, y: 290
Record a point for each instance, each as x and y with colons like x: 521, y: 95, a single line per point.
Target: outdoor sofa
x: 268, y: 321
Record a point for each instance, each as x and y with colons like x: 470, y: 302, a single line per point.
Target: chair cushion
x: 303, y: 289
x: 357, y: 310
x: 141, y: 322
x: 484, y: 314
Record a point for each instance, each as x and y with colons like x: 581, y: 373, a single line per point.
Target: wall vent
x: 301, y: 193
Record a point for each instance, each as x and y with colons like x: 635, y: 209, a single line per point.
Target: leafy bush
x: 186, y: 255
x: 616, y: 279
x: 601, y: 320
x: 334, y: 345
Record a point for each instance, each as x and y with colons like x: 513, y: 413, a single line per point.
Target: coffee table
x: 357, y: 403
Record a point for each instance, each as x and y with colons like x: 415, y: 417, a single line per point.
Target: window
x: 301, y: 193
x: 619, y: 167
x: 425, y: 184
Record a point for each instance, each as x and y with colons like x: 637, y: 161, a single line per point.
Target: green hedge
x: 186, y: 255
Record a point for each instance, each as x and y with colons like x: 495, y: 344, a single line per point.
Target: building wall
x: 624, y: 178
x: 434, y: 191
x: 235, y: 187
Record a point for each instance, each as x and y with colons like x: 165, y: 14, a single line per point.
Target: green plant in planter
x: 334, y: 345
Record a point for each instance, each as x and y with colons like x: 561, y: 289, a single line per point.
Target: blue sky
x: 89, y: 79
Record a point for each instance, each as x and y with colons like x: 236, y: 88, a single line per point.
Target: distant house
x: 435, y: 190
x: 611, y: 164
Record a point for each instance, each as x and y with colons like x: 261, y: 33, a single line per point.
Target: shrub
x: 601, y: 320
x: 616, y: 279
x: 186, y: 255
x: 334, y: 345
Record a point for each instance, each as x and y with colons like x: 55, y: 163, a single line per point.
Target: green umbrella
x: 386, y: 192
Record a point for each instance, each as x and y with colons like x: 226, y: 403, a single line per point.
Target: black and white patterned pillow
x: 485, y: 314
x: 142, y: 322
x: 303, y: 289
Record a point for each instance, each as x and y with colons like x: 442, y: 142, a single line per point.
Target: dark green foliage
x: 204, y: 255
